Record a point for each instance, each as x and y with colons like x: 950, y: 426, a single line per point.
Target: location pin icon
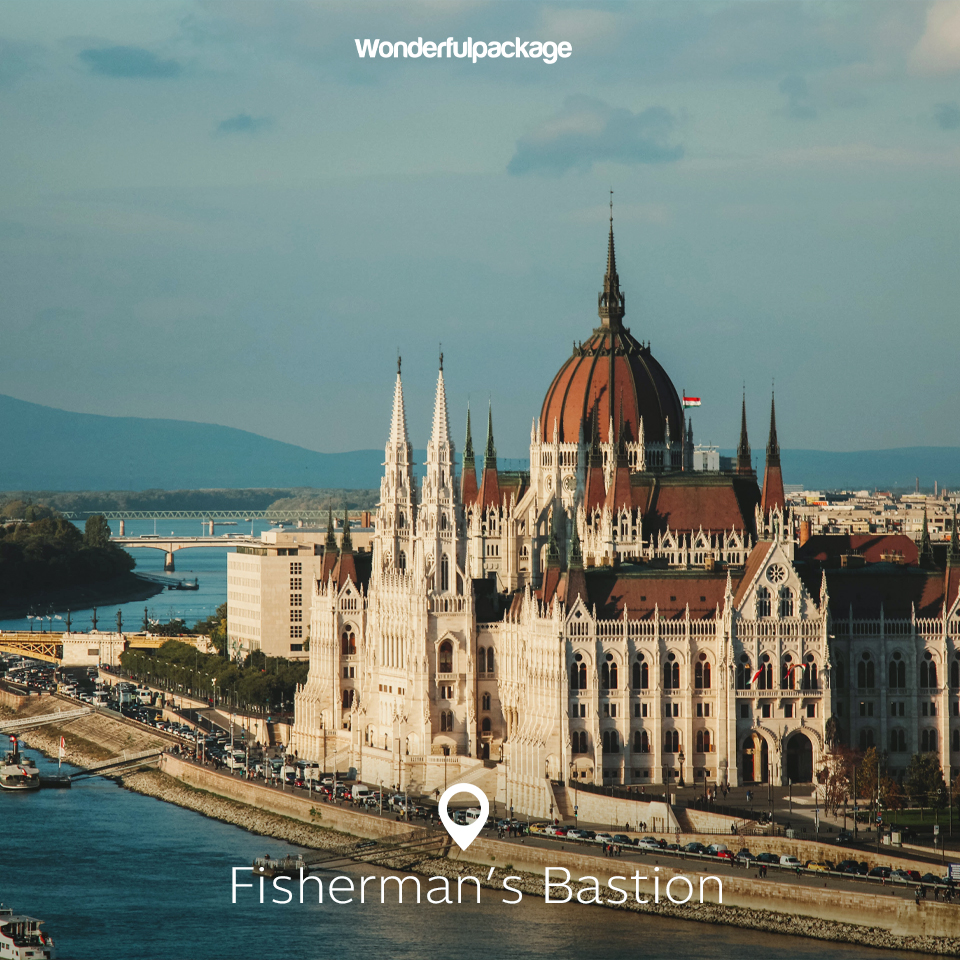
x: 464, y: 835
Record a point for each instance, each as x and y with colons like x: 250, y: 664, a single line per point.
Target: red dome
x: 610, y: 372
x: 641, y: 387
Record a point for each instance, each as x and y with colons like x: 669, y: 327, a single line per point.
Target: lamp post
x: 681, y: 758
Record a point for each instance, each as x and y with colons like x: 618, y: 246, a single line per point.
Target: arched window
x: 898, y: 741
x: 744, y: 673
x: 446, y: 657
x: 866, y: 672
x: 928, y: 671
x: 641, y: 742
x: 347, y: 699
x: 348, y: 642
x: 786, y: 602
x: 763, y: 603
x: 579, y: 741
x: 701, y: 673
x: 867, y: 739
x: 401, y: 557
x: 928, y: 741
x: 671, y: 741
x: 490, y: 660
x: 810, y: 679
x: 840, y: 674
x: 955, y: 674
x: 582, y: 673
x: 765, y: 680
x: 611, y: 741
x: 575, y: 676
x: 486, y: 701
x: 485, y: 725
x: 671, y: 673
x: 482, y: 659
x: 641, y: 674
x: 788, y: 674
x: 608, y: 674
x: 897, y: 673
x: 444, y: 573
x: 955, y: 744
x: 703, y: 741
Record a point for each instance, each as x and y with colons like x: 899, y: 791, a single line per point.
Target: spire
x: 575, y: 558
x: 468, y: 443
x: 331, y: 541
x: 743, y: 449
x: 925, y: 546
x: 398, y: 421
x: 773, y: 447
x: 954, y: 553
x: 346, y: 544
x: 610, y: 303
x: 468, y: 476
x: 772, y: 496
x: 490, y: 453
x: 441, y: 426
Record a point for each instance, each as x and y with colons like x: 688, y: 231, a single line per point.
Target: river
x: 207, y: 564
x: 116, y: 875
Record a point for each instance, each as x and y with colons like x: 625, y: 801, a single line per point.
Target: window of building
x: 608, y: 674
x: 580, y: 741
x: 809, y: 679
x: 446, y: 692
x: 786, y: 602
x: 296, y: 616
x: 744, y: 711
x: 839, y: 710
x: 482, y: 660
x: 671, y: 673
x: 898, y: 741
x: 763, y: 603
x: 445, y: 661
x: 701, y: 673
x: 578, y: 673
x: 611, y: 741
x: 788, y: 710
x: 671, y: 741
x: 955, y: 671
x: 955, y: 741
x: 296, y: 583
x: 866, y: 673
x: 765, y: 678
x: 897, y: 679
x: 296, y: 647
x: 641, y: 742
x: 641, y: 674
x: 444, y: 574
x: 703, y: 741
x: 866, y: 708
x: 787, y: 673
x: 485, y: 702
x: 297, y: 632
x: 867, y: 738
x: 703, y: 709
x: 401, y: 557
x: 296, y: 599
x: 347, y: 699
x: 296, y: 569
x: 839, y: 673
x: 744, y: 673
x: 928, y: 671
x: 956, y: 709
x: 485, y: 725
x: 348, y: 642
x: 490, y: 662
x: 928, y: 741
x: 811, y: 710
x: 765, y: 710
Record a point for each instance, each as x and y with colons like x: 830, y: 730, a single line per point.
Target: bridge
x: 170, y: 545
x: 30, y: 723
x: 79, y: 647
x: 36, y: 646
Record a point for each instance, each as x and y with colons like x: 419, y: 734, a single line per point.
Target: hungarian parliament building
x: 613, y: 615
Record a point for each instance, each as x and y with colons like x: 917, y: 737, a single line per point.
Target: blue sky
x: 218, y: 212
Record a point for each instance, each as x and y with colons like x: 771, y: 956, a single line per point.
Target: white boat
x: 18, y: 773
x: 22, y: 939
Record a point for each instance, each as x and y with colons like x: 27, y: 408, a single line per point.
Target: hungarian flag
x: 756, y: 676
x: 63, y: 748
x: 691, y: 401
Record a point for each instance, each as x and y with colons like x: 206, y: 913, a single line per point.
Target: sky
x: 219, y: 212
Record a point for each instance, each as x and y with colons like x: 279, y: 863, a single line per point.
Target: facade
x: 620, y: 614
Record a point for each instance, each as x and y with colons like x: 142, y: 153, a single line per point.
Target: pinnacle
x: 490, y: 454
x: 398, y: 421
x: 441, y: 425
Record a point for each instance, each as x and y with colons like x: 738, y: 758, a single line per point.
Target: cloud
x: 16, y: 60
x: 129, y: 62
x: 938, y: 50
x: 799, y: 102
x: 243, y: 123
x: 589, y: 131
x: 947, y: 115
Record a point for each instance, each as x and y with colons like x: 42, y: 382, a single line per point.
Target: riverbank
x: 118, y: 590
x: 294, y: 819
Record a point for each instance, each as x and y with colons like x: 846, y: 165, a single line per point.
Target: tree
x: 868, y: 775
x: 835, y: 775
x: 924, y: 781
x: 96, y: 533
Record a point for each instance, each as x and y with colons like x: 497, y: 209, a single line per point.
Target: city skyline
x: 222, y: 214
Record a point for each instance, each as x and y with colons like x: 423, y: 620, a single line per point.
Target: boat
x: 18, y: 773
x: 272, y: 867
x: 22, y: 939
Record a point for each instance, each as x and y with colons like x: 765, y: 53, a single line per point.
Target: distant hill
x: 42, y: 448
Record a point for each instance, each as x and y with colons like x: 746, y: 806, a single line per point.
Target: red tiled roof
x: 640, y: 595
x: 772, y: 495
x: 757, y: 555
x: 468, y: 486
x: 896, y: 589
x: 827, y: 548
x: 685, y: 502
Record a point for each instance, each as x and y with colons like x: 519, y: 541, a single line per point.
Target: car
x: 844, y: 837
x: 901, y: 876
x: 818, y: 866
x: 786, y: 860
x: 848, y: 866
x: 863, y: 868
x: 622, y: 839
x: 673, y: 847
x: 649, y: 843
x: 724, y: 855
x: 745, y: 856
x: 929, y: 878
x: 603, y: 838
x: 574, y: 834
x: 767, y: 858
x: 881, y: 873
x: 914, y: 875
x: 695, y: 846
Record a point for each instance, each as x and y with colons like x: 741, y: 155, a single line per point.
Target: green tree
x: 924, y: 780
x: 96, y: 533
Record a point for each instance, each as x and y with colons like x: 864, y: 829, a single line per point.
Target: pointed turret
x: 397, y: 510
x: 595, y: 489
x: 346, y: 542
x: 610, y: 302
x: 329, y: 550
x: 743, y: 448
x: 773, y: 497
x: 925, y: 545
x: 398, y: 420
x: 954, y: 553
x: 346, y: 566
x: 618, y: 495
x: 331, y: 542
x: 490, y: 481
x: 468, y: 478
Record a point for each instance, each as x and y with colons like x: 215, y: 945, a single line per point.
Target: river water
x: 207, y: 564
x: 116, y: 875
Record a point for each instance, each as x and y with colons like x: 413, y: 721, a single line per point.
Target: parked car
x: 603, y: 838
x: 789, y: 861
x: 745, y: 856
x: 914, y: 875
x: 819, y: 866
x: 900, y: 876
x: 880, y: 873
x: 844, y: 837
x: 652, y: 843
x: 695, y: 846
x: 930, y: 878
x: 623, y: 839
x: 767, y: 858
x: 848, y: 866
x: 724, y: 855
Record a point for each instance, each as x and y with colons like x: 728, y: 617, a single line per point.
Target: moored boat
x: 283, y: 867
x: 22, y: 939
x: 17, y: 772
